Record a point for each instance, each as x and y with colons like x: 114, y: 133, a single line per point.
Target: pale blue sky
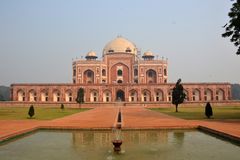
x: 39, y: 38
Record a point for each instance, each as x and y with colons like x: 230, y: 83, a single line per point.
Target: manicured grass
x: 21, y: 113
x: 198, y: 112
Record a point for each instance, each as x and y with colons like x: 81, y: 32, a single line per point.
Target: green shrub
x: 208, y: 110
x: 31, y: 111
x: 62, y: 106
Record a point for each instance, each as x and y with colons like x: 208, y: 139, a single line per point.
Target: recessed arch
x: 135, y: 72
x: 68, y: 95
x: 158, y: 95
x: 88, y: 76
x: 103, y: 72
x: 56, y: 95
x: 119, y: 81
x: 220, y: 94
x: 146, y: 95
x: 196, y: 95
x: 21, y: 95
x: 133, y: 95
x: 32, y: 95
x: 120, y: 95
x: 187, y: 94
x: 151, y: 76
x: 169, y: 95
x: 44, y: 95
x: 119, y: 71
x: 107, y: 96
x: 94, y: 95
x: 208, y: 94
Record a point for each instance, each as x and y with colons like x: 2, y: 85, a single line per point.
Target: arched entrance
x: 120, y: 95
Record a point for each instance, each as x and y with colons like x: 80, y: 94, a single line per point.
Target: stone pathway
x: 12, y: 128
x: 106, y: 118
x: 143, y: 118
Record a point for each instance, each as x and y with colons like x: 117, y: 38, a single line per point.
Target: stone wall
x: 123, y: 104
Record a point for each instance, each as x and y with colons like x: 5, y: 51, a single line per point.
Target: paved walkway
x: 12, y: 128
x: 144, y: 118
x: 106, y: 117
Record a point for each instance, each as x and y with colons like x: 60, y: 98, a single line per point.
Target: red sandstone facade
x: 122, y: 74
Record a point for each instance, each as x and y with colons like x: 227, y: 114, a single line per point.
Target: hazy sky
x: 39, y: 38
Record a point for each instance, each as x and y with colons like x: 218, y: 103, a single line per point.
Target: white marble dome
x: 120, y: 45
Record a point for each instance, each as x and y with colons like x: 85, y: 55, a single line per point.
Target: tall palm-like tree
x: 178, y: 94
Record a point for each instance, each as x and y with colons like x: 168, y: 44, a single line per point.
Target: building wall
x: 196, y: 92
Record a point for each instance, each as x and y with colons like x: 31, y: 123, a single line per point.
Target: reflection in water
x: 179, y: 137
x: 137, y: 145
x: 141, y: 142
x: 104, y: 138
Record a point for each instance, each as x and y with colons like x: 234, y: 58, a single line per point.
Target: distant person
x: 208, y: 110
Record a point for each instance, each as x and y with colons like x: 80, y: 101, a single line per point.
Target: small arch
x: 220, y: 94
x: 119, y: 81
x: 146, y: 95
x: 208, y: 94
x: 68, y: 96
x: 74, y: 72
x: 103, y: 72
x: 107, y: 96
x: 128, y: 50
x: 169, y: 96
x: 165, y: 72
x: 21, y: 95
x: 119, y: 72
x: 158, y: 95
x: 133, y: 96
x: 56, y: 96
x: 187, y: 95
x: 196, y: 95
x: 32, y: 95
x: 94, y: 96
x: 44, y: 95
x: 135, y: 72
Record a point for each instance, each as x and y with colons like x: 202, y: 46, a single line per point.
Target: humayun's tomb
x: 122, y: 74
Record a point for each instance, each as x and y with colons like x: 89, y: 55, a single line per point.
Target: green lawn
x: 198, y: 112
x: 21, y: 113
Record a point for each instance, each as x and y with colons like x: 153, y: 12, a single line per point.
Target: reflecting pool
x: 137, y: 145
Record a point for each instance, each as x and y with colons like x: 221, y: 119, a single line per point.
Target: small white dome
x: 91, y: 54
x: 148, y: 53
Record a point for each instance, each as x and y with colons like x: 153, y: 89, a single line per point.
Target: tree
x: 178, y: 94
x: 62, y: 106
x: 232, y: 28
x: 1, y: 97
x: 208, y: 110
x: 80, y: 96
x: 31, y: 111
